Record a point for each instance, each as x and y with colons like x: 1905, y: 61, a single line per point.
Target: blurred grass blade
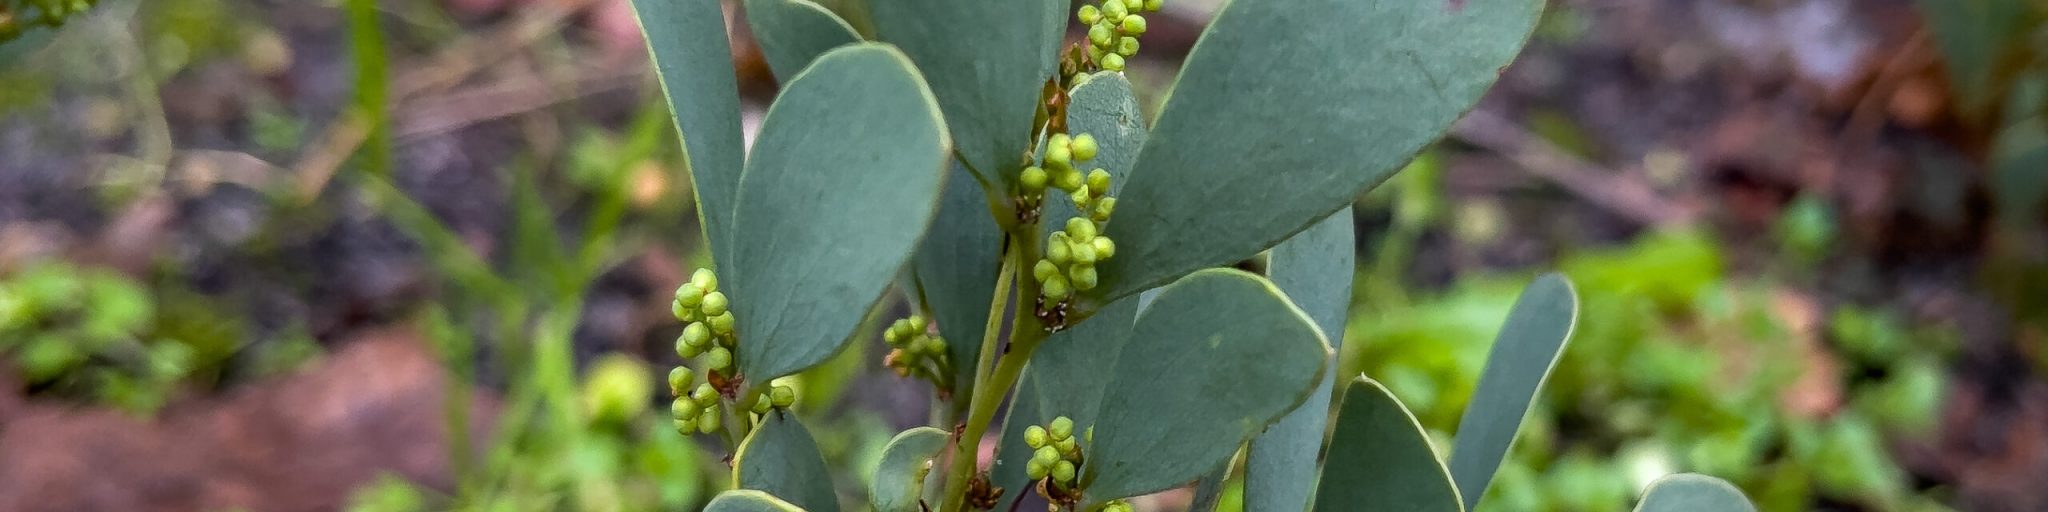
x: 743, y: 500
x: 1313, y: 268
x: 692, y: 55
x: 1380, y: 459
x: 1206, y: 192
x: 779, y: 458
x: 1523, y: 354
x: 956, y: 267
x: 794, y: 32
x: 1690, y: 492
x: 987, y: 61
x: 1217, y: 357
x: 833, y: 202
x: 899, y: 478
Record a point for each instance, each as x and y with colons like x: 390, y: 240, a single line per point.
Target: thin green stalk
x: 366, y: 47
x: 1025, y: 335
x: 964, y: 460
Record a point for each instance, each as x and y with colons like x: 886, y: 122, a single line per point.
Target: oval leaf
x: 1380, y: 459
x: 794, y: 32
x: 1104, y: 107
x: 905, y: 462
x: 693, y: 57
x: 1523, y: 354
x: 743, y: 500
x: 987, y: 61
x: 1259, y: 140
x: 844, y: 179
x: 780, y: 458
x: 1217, y: 357
x: 956, y: 268
x: 1689, y: 492
x: 1314, y: 268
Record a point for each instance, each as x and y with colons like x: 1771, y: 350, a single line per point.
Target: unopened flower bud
x: 1083, y: 277
x: 1113, y: 62
x: 1044, y: 269
x: 1080, y: 230
x: 1101, y: 35
x: 1085, y: 147
x: 1104, y: 248
x: 1055, y: 289
x: 679, y: 380
x: 1089, y: 15
x: 714, y: 304
x: 707, y: 423
x: 1062, y: 427
x: 721, y: 324
x: 1033, y: 179
x: 782, y: 396
x: 705, y: 280
x: 1133, y: 24
x: 683, y: 410
x: 719, y: 358
x: 1034, y: 436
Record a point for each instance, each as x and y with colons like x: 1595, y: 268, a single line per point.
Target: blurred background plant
x: 1808, y: 236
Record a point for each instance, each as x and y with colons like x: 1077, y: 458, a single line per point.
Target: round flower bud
x: 1060, y: 140
x: 1061, y: 428
x: 681, y: 313
x: 685, y: 349
x: 683, y: 410
x: 1098, y: 181
x: 1133, y: 25
x: 1070, y: 181
x: 932, y: 346
x: 782, y: 396
x: 761, y: 405
x: 1069, y: 448
x: 916, y: 323
x: 1084, y: 254
x: 1089, y: 15
x: 689, y: 295
x: 1114, y: 11
x: 1128, y: 46
x: 1119, y: 505
x: 704, y: 394
x: 1036, y: 470
x: 1084, y: 277
x: 1063, y: 471
x: 1046, y: 455
x: 714, y: 304
x: 1081, y: 230
x: 1058, y: 155
x: 705, y: 280
x: 718, y: 358
x: 893, y: 334
x: 707, y: 423
x: 1104, y: 208
x: 1085, y: 147
x: 721, y: 324
x: 1034, y: 437
x: 1055, y: 289
x: 1104, y: 248
x: 1101, y: 35
x: 1113, y: 62
x: 1044, y: 269
x: 679, y: 381
x: 1154, y: 5
x: 1081, y: 197
x: 697, y: 334
x: 1057, y: 251
x: 1032, y: 179
x: 1134, y: 5
x: 1095, y: 53
x: 686, y: 427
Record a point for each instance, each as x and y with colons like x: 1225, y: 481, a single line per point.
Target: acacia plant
x: 1151, y: 298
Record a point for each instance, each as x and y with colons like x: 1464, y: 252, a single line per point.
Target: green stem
x: 992, y: 385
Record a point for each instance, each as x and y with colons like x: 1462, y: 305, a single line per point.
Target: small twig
x: 1622, y: 194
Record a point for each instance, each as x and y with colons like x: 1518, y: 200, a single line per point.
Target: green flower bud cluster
x: 1056, y: 453
x: 1071, y: 254
x: 1113, y: 30
x: 1063, y: 153
x: 914, y: 351
x: 18, y: 15
x: 708, y: 338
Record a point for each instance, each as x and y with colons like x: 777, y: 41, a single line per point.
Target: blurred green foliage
x: 1675, y: 366
x: 89, y: 334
